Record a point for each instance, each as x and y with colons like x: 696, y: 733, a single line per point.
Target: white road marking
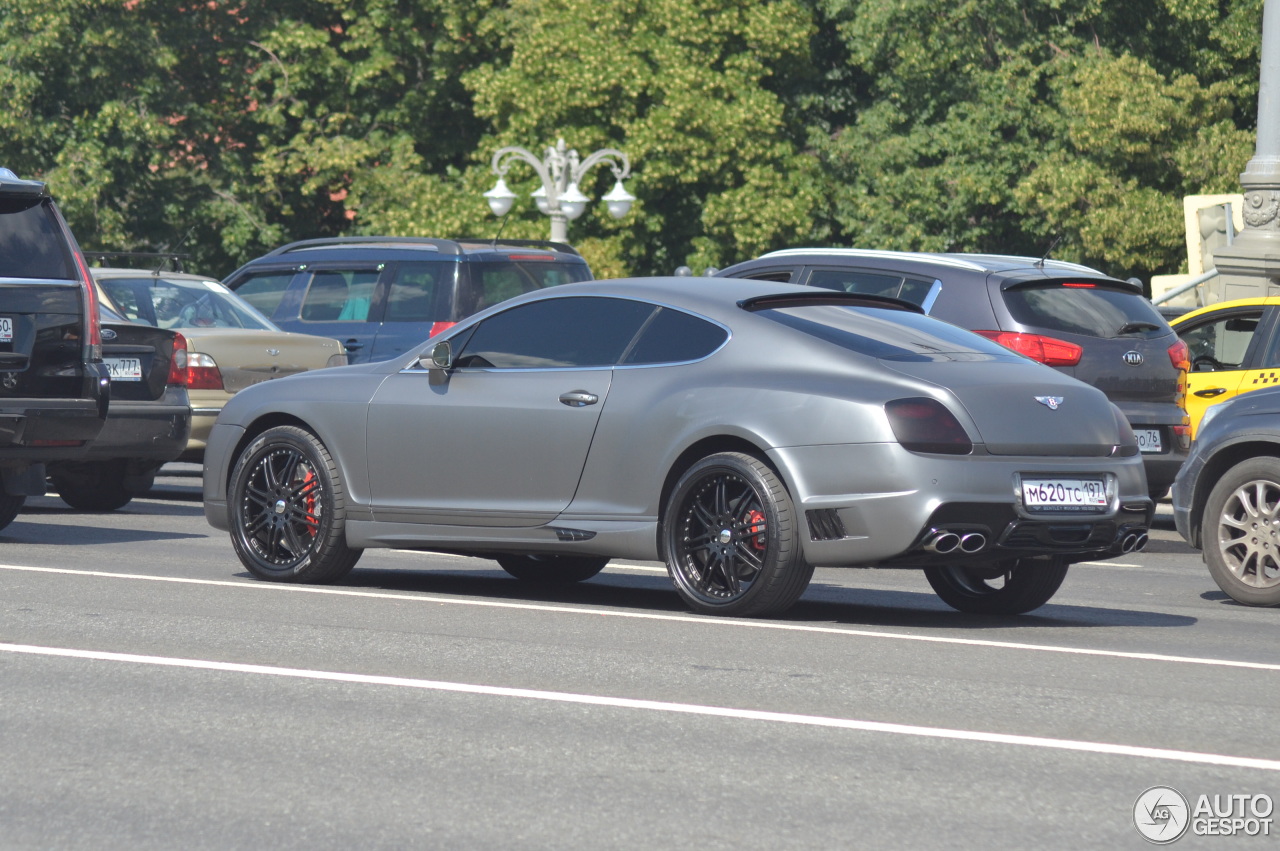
x: 1104, y: 748
x: 693, y: 619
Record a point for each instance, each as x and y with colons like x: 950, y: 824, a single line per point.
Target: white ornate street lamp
x: 559, y: 196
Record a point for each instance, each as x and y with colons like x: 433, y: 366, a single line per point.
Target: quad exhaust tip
x: 943, y: 541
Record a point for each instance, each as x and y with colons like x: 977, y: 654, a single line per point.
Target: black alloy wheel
x: 731, y: 538
x: 1006, y: 587
x: 1240, y: 532
x: 288, y: 509
x: 552, y: 570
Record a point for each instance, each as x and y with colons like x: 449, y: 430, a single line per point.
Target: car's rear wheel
x: 92, y: 485
x: 1241, y: 532
x: 731, y: 538
x: 10, y: 505
x: 288, y: 509
x: 1005, y: 587
x: 552, y: 570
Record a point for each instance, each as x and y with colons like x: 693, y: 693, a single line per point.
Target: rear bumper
x: 33, y: 430
x: 152, y: 430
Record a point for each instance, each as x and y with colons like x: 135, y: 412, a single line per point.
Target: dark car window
x: 495, y: 282
x: 561, y: 332
x: 31, y: 243
x: 265, y: 290
x: 1222, y: 343
x: 892, y: 284
x: 673, y: 336
x: 339, y: 296
x: 1093, y: 311
x: 414, y: 289
x: 896, y: 334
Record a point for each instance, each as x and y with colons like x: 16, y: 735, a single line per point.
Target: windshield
x: 172, y: 303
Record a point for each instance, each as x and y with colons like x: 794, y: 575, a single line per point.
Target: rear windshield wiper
x: 1130, y: 327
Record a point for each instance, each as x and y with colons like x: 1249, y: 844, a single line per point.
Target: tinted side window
x: 892, y: 284
x: 674, y: 337
x: 339, y: 296
x: 1092, y: 311
x: 494, y: 282
x: 562, y: 332
x: 414, y: 289
x: 265, y: 290
x: 31, y: 243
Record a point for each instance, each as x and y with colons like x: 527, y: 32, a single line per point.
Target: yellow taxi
x: 1234, y: 348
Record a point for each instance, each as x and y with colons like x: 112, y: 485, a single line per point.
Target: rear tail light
x: 437, y: 327
x: 1180, y: 356
x: 925, y: 425
x: 337, y: 360
x: 1046, y: 350
x: 178, y: 375
x: 202, y: 372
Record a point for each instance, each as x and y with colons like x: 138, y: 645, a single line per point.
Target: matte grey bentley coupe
x: 741, y: 431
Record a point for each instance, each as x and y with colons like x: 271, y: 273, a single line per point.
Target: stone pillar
x: 1251, y: 267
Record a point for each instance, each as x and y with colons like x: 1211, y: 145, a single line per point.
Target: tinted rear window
x: 891, y: 334
x: 31, y: 243
x: 492, y: 282
x: 1092, y: 312
x: 675, y: 337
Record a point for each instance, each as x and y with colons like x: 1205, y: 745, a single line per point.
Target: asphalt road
x: 152, y: 695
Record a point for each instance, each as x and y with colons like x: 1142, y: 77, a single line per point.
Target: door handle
x: 353, y: 344
x: 1211, y: 392
x: 579, y: 398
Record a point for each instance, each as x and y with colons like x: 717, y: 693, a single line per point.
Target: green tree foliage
x: 981, y: 125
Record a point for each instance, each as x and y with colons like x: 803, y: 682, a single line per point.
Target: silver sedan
x: 741, y: 431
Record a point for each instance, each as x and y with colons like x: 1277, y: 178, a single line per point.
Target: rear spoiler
x: 828, y: 297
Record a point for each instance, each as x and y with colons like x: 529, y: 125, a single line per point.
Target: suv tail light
x: 437, y: 327
x: 1046, y: 350
x: 178, y: 375
x: 203, y: 372
x: 1180, y: 356
x: 925, y: 425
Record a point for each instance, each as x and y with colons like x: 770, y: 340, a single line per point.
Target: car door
x: 1226, y: 357
x: 342, y: 302
x: 500, y: 439
x: 417, y: 305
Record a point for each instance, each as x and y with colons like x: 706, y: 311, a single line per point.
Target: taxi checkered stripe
x: 1267, y: 378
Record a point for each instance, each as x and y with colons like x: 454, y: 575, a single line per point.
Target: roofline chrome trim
x: 927, y: 257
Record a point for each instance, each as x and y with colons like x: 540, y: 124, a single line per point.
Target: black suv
x: 382, y: 296
x: 1093, y: 327
x: 54, y: 387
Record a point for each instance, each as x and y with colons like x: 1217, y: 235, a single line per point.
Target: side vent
x: 824, y: 524
x: 573, y: 534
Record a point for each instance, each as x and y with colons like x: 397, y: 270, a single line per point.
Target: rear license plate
x: 1149, y: 439
x: 124, y: 369
x: 6, y: 329
x: 1060, y: 493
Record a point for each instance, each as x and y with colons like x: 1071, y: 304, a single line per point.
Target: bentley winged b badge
x: 1051, y: 402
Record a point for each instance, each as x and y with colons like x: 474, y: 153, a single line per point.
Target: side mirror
x: 441, y: 356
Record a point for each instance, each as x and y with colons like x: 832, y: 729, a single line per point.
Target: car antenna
x: 173, y: 256
x: 1048, y: 251
x: 502, y: 225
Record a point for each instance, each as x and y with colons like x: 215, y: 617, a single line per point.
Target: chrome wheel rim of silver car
x: 1249, y: 533
x: 281, y: 507
x: 723, y: 538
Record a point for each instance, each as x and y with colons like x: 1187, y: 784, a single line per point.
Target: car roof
x: 107, y: 272
x: 360, y: 247
x: 969, y: 262
x: 1255, y: 301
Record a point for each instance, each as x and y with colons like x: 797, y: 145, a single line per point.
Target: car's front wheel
x: 1005, y: 587
x: 288, y: 509
x: 552, y: 570
x: 92, y: 485
x: 732, y: 540
x: 1241, y: 532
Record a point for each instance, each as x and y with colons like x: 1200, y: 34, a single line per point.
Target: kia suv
x: 54, y: 387
x: 1086, y: 324
x: 382, y: 296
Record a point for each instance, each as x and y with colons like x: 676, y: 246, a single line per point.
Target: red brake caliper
x: 313, y: 527
x: 756, y: 529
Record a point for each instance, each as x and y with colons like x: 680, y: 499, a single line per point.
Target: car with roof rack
x: 54, y: 387
x: 382, y: 296
x: 1082, y: 322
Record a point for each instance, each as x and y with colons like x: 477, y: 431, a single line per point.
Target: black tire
x: 10, y: 505
x: 92, y: 485
x: 1008, y: 587
x: 287, y: 508
x: 1240, y: 532
x: 552, y: 570
x: 732, y: 540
